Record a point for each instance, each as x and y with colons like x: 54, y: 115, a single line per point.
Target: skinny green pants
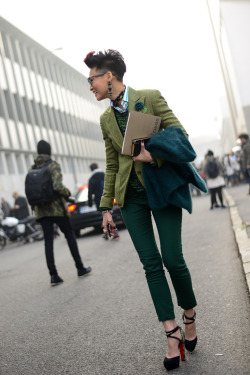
x: 137, y: 217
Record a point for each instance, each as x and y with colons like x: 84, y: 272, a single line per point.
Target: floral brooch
x: 139, y: 106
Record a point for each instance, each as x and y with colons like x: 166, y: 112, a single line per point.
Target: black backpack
x: 39, y: 186
x: 212, y: 169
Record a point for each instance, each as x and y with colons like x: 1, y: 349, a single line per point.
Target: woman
x: 124, y: 181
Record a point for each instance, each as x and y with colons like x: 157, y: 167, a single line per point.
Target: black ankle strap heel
x: 190, y: 344
x: 172, y: 363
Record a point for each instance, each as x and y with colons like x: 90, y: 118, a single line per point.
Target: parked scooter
x: 13, y: 230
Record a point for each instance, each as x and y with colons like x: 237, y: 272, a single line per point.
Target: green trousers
x: 137, y: 217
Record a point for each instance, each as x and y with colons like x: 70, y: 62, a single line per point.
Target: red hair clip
x: 87, y: 56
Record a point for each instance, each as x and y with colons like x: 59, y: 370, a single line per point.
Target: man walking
x: 56, y: 212
x: 96, y: 183
x: 20, y: 209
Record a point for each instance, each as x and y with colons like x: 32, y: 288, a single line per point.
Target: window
x: 4, y: 137
x: 9, y: 72
x: 3, y: 83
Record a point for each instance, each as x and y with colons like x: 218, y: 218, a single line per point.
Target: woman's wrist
x: 107, y: 211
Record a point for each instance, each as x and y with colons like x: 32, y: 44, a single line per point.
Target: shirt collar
x: 124, y: 102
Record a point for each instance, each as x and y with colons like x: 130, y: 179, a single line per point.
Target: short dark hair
x: 93, y: 166
x: 210, y: 153
x: 243, y: 135
x: 109, y: 60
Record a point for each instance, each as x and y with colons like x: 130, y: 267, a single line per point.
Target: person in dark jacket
x: 245, y: 145
x: 56, y: 213
x: 20, y: 209
x: 96, y: 183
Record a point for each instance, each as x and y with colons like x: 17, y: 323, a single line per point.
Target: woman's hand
x: 107, y: 220
x: 144, y: 155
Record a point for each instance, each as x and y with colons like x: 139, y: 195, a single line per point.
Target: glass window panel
x: 41, y: 88
x: 74, y: 149
x: 3, y: 83
x: 34, y: 86
x: 9, y: 72
x: 27, y: 83
x: 44, y: 134
x: 66, y: 107
x: 71, y: 110
x: 28, y: 161
x: 52, y: 141
x: 22, y: 135
x: 5, y: 45
x: 9, y: 105
x: 19, y: 161
x: 43, y: 115
x: 32, y: 141
x: 27, y: 109
x: 53, y: 90
x: 35, y: 111
x: 14, y: 136
x: 64, y: 143
x: 18, y: 108
x: 60, y: 99
x: 59, y: 144
x: 47, y: 89
x: 65, y: 165
x: 37, y: 133
x: 19, y: 79
x: 4, y: 137
x: 10, y: 164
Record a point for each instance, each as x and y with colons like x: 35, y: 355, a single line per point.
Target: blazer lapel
x: 111, y: 122
x: 134, y: 97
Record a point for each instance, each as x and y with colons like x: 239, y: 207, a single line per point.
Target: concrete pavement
x: 238, y: 201
x: 105, y: 324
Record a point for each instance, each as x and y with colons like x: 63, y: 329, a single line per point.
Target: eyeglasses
x: 90, y: 79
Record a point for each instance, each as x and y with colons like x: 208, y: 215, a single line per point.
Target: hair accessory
x: 109, y: 89
x: 87, y: 56
x: 119, y: 98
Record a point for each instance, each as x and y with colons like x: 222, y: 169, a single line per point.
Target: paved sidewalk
x: 238, y: 201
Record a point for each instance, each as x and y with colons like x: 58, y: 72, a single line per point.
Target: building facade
x: 42, y: 97
x: 231, y: 28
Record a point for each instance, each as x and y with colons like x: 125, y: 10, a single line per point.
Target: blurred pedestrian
x: 6, y: 208
x: 215, y: 181
x: 245, y: 144
x: 20, y: 209
x: 231, y: 167
x: 124, y: 181
x: 96, y: 183
x: 55, y: 212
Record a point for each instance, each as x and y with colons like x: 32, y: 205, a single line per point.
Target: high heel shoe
x: 172, y: 363
x: 190, y: 344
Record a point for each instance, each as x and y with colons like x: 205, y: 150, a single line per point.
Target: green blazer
x: 118, y: 166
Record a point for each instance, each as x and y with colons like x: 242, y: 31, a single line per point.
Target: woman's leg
x: 137, y: 217
x: 219, y: 192
x: 169, y: 221
x: 213, y: 197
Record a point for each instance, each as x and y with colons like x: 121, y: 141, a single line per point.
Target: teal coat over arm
x: 118, y: 166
